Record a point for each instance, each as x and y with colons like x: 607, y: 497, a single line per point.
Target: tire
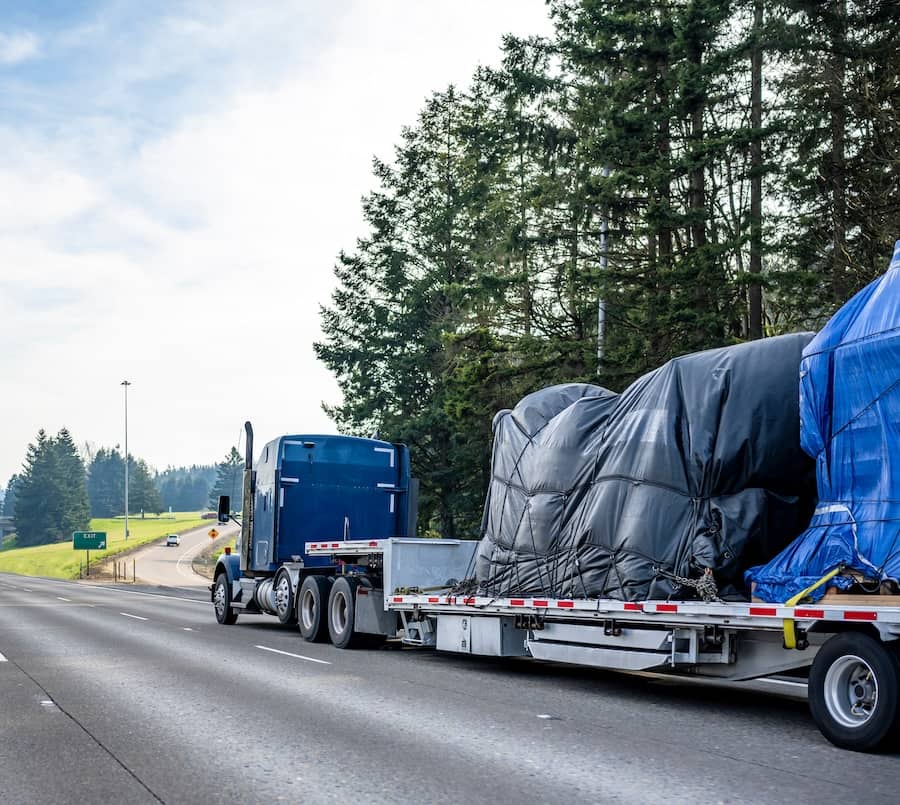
x: 225, y: 613
x: 854, y: 691
x: 312, y: 608
x: 283, y: 592
x: 342, y: 613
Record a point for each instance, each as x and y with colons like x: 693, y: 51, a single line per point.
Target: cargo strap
x: 790, y: 631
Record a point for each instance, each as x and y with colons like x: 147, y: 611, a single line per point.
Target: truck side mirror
x: 224, y: 508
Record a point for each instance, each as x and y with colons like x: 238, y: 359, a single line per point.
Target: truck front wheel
x: 284, y: 597
x: 342, y: 612
x: 312, y: 606
x: 854, y: 691
x: 225, y: 613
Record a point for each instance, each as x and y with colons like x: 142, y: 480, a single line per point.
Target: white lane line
x: 186, y: 629
x: 298, y: 656
x: 136, y: 617
x: 64, y: 599
x: 27, y: 589
x: 3, y: 659
x: 82, y: 585
x: 204, y: 600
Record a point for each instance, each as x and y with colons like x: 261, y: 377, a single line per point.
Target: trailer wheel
x: 854, y: 691
x: 284, y: 597
x: 342, y: 613
x: 312, y: 608
x: 225, y: 613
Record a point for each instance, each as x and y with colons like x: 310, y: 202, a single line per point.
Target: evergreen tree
x: 186, y: 488
x: 106, y: 483
x: 143, y: 496
x: 51, y: 494
x: 840, y: 92
x: 74, y: 511
x: 229, y: 481
x: 653, y: 179
x: 9, y: 500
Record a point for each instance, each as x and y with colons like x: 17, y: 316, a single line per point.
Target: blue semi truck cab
x: 310, y: 488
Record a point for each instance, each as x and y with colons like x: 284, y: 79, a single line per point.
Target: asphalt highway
x: 164, y: 565
x: 120, y: 695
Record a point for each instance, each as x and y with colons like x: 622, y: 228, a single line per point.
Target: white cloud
x: 194, y: 264
x: 16, y: 48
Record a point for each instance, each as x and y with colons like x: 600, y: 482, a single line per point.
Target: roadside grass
x: 204, y: 563
x: 60, y: 561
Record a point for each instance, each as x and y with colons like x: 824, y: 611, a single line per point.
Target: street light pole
x: 126, y: 384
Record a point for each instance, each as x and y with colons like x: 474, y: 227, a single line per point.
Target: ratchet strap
x: 790, y: 633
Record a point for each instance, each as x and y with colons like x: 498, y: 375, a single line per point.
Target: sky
x: 176, y: 181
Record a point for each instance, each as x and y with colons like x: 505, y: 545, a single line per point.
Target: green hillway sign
x: 89, y: 540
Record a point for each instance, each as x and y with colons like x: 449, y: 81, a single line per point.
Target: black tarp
x: 695, y: 465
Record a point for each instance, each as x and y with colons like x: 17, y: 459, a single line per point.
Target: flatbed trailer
x: 404, y: 588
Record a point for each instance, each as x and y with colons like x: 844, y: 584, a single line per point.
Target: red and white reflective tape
x: 350, y: 546
x: 681, y: 608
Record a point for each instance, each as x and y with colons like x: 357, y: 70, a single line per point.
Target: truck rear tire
x: 342, y: 613
x: 225, y: 613
x: 284, y: 597
x: 312, y: 608
x: 854, y: 691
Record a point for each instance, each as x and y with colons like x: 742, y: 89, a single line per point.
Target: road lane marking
x: 64, y: 599
x: 136, y: 617
x: 3, y: 659
x: 298, y: 656
x: 82, y: 585
x: 186, y: 629
x: 205, y: 600
x: 27, y: 589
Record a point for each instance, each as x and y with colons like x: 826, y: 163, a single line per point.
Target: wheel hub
x: 282, y: 595
x: 219, y: 599
x: 307, y: 608
x: 851, y: 691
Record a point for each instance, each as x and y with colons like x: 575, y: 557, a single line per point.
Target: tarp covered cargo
x: 850, y: 423
x: 695, y: 465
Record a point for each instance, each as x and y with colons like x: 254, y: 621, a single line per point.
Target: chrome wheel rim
x: 283, y: 596
x: 851, y: 691
x: 219, y: 600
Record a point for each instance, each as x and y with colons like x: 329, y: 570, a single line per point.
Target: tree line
x: 653, y: 178
x: 58, y: 491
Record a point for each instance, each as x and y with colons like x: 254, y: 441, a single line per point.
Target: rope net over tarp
x: 695, y: 471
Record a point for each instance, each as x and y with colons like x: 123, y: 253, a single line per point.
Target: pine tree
x: 9, y: 500
x: 74, y: 514
x: 229, y: 481
x: 143, y: 496
x: 106, y: 483
x: 840, y: 92
x: 51, y: 494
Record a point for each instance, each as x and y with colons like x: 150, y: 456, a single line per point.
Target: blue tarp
x: 850, y: 424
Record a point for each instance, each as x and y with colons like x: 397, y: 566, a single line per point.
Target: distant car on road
x: 173, y: 539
